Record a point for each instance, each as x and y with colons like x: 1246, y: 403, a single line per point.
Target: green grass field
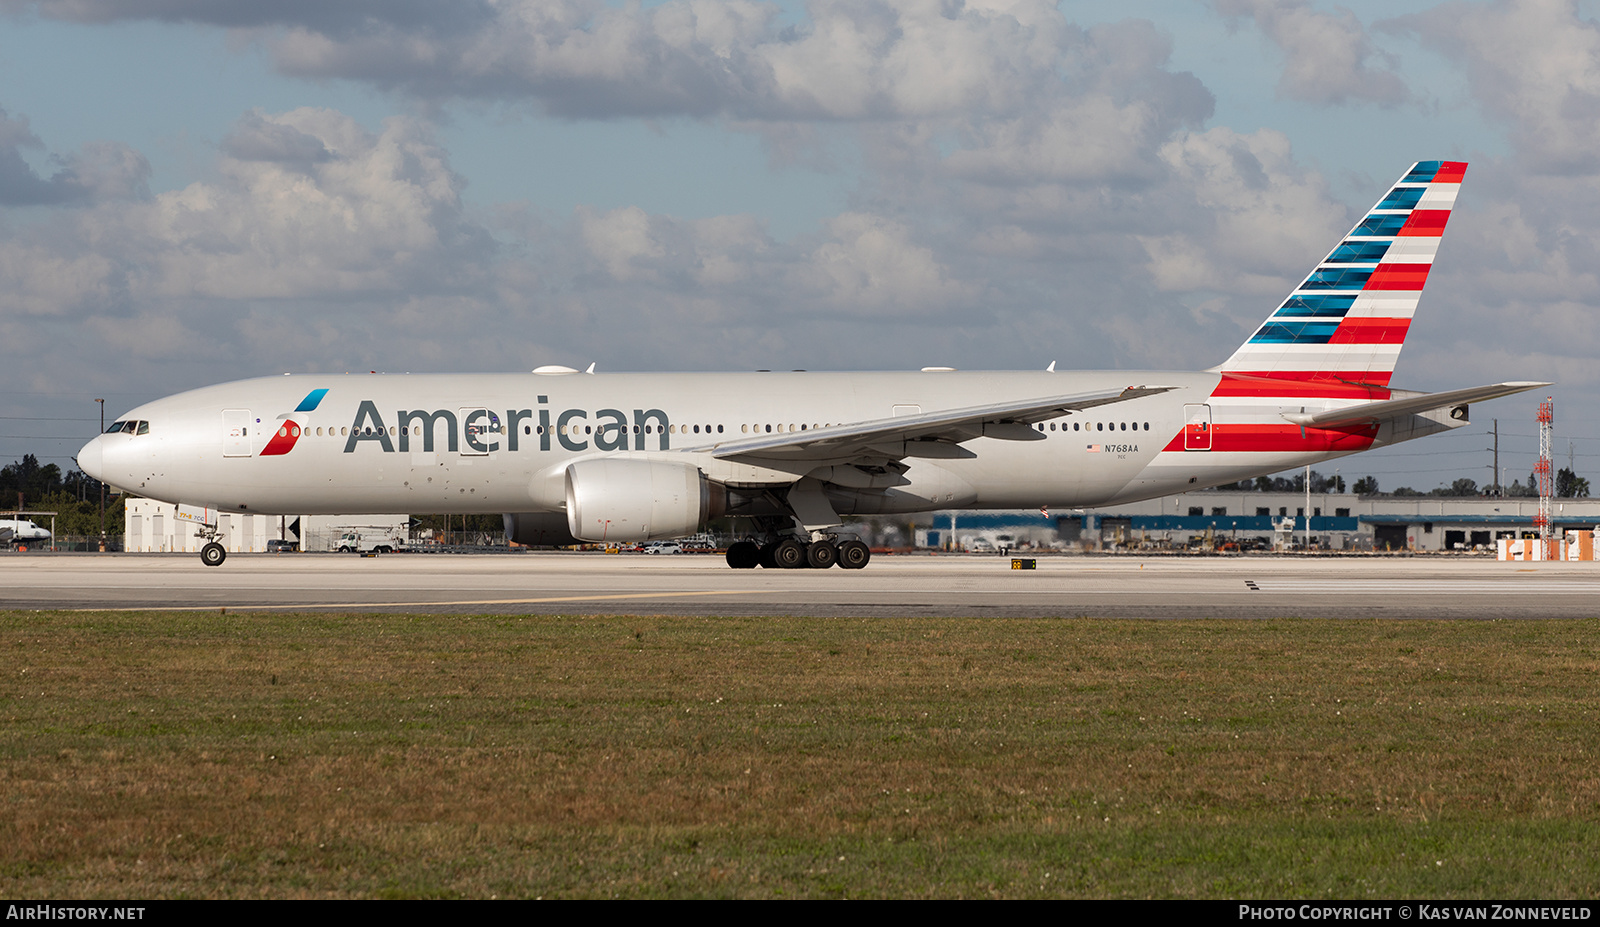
x: 269, y: 755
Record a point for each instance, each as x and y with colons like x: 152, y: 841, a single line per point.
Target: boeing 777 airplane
x: 568, y: 456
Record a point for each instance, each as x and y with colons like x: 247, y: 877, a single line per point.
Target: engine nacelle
x: 611, y: 499
x: 538, y: 529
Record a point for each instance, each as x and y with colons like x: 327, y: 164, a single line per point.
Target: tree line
x: 74, y: 497
x: 1568, y: 485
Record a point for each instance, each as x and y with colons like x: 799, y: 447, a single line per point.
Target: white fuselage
x: 498, y: 443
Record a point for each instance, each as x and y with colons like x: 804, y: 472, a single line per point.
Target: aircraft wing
x: 1370, y: 413
x: 930, y: 434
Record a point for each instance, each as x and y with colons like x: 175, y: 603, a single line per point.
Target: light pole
x: 102, y: 482
x: 1308, y: 507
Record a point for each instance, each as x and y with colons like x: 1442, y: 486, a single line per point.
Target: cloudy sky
x: 193, y: 192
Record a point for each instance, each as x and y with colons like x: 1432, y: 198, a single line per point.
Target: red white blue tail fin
x: 1348, y: 319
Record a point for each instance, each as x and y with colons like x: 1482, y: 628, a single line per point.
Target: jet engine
x: 611, y: 499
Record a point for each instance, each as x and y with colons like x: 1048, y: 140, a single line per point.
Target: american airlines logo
x: 291, y: 424
x: 484, y: 430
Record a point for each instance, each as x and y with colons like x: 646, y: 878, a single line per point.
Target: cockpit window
x: 115, y: 427
x: 144, y: 428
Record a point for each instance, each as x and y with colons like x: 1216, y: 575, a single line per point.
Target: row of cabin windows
x: 416, y: 430
x: 294, y: 430
x: 1099, y: 426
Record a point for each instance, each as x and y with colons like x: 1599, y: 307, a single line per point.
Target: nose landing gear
x: 213, y: 554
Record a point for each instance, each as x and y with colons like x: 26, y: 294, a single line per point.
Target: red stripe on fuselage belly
x: 1353, y: 384
x: 1282, y: 439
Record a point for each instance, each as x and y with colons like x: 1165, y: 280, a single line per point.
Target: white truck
x: 370, y: 539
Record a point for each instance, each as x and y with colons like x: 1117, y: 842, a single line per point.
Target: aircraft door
x: 1196, y: 426
x: 480, y: 432
x: 236, y: 438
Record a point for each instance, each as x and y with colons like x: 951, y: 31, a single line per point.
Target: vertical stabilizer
x: 1348, y: 319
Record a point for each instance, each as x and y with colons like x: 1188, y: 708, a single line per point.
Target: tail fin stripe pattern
x: 1399, y: 277
x: 1371, y: 331
x: 1349, y: 317
x: 1359, y: 252
x: 1401, y: 198
x: 1315, y: 305
x: 1428, y: 222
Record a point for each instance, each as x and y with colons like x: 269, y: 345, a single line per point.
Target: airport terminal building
x: 1267, y: 520
x: 1230, y: 519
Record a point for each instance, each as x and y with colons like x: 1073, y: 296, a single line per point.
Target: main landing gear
x: 793, y: 554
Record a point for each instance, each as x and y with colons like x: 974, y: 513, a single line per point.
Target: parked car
x: 276, y: 546
x: 663, y: 547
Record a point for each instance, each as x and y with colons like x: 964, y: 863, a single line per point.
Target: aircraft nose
x: 91, y: 459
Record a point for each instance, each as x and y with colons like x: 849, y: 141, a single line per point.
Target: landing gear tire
x: 789, y: 555
x: 744, y: 555
x: 213, y: 554
x: 821, y: 554
x: 764, y: 557
x: 853, y: 555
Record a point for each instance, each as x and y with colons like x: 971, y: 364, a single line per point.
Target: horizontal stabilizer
x: 1369, y: 413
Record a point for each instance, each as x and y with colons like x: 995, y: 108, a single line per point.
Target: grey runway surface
x: 909, y: 586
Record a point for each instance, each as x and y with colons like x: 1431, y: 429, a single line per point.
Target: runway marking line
x: 564, y: 598
x: 1425, y: 587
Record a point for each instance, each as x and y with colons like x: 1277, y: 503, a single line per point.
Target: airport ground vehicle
x: 376, y: 540
x: 570, y: 457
